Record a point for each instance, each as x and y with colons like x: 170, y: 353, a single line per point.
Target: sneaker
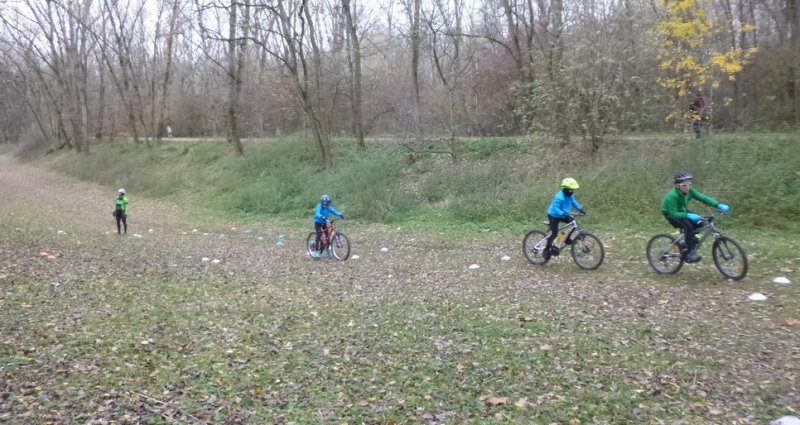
x: 693, y: 257
x: 546, y: 254
x: 316, y: 254
x: 554, y: 250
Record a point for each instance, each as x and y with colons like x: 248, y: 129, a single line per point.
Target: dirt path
x: 40, y: 211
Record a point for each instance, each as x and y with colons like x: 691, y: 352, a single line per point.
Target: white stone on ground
x: 786, y: 420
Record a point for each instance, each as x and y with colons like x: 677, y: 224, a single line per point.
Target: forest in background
x: 76, y: 71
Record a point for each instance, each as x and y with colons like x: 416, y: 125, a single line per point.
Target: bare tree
x: 354, y: 62
x: 294, y: 35
x: 238, y: 15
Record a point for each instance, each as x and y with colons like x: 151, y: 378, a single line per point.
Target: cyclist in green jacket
x: 674, y: 208
x: 121, y: 210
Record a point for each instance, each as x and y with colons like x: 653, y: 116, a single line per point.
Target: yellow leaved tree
x: 687, y: 57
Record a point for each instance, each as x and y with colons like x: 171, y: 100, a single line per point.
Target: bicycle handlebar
x: 715, y: 214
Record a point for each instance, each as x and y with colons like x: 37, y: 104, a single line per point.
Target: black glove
x: 583, y: 212
x: 342, y: 216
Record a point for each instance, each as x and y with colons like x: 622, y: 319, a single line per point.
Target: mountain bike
x: 332, y: 241
x: 666, y: 253
x: 586, y: 249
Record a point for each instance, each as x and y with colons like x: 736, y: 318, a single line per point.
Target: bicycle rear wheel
x: 730, y: 258
x: 533, y: 246
x: 587, y: 251
x: 664, y: 254
x: 311, y: 243
x: 340, y: 246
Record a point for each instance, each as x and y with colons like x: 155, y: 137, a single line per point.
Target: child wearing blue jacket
x: 561, y: 210
x: 321, y: 213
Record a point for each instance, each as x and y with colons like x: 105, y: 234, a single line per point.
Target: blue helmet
x: 682, y: 176
x: 325, y: 200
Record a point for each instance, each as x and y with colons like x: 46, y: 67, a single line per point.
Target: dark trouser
x: 696, y: 124
x: 120, y: 216
x: 554, y: 222
x: 318, y: 227
x: 688, y: 228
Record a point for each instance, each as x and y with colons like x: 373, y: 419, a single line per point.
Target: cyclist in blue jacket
x: 321, y: 213
x: 561, y: 210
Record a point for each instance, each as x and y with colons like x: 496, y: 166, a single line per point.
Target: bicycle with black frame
x: 667, y: 253
x: 586, y: 249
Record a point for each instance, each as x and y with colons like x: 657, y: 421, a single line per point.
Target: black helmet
x: 682, y: 176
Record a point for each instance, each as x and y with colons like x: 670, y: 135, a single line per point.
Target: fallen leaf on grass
x: 791, y: 321
x: 494, y: 401
x: 522, y: 403
x: 525, y: 319
x: 546, y: 347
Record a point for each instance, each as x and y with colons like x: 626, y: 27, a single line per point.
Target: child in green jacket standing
x: 121, y: 210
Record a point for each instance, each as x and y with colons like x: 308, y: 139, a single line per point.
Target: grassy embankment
x: 498, y: 184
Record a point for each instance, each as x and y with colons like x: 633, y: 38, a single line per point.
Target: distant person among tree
x: 561, y: 210
x: 697, y: 111
x: 321, y: 213
x: 169, y: 131
x: 121, y: 210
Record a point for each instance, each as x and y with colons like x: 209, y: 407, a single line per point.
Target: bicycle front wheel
x: 664, y: 254
x: 730, y: 258
x: 587, y: 251
x: 533, y: 246
x: 340, y: 246
x: 311, y: 243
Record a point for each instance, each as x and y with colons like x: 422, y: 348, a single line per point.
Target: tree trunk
x: 415, y: 46
x: 793, y: 12
x: 355, y: 72
x: 168, y: 65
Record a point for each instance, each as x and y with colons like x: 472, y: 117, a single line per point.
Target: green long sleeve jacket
x: 121, y: 204
x: 674, y: 203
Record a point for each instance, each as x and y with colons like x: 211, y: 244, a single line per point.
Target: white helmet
x: 122, y: 191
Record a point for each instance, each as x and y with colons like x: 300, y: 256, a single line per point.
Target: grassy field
x: 140, y: 330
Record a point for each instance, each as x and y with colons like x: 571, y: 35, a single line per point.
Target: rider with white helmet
x: 121, y: 210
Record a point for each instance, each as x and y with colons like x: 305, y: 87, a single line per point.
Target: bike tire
x: 311, y: 243
x: 730, y: 258
x: 664, y: 254
x: 533, y: 246
x: 587, y: 251
x: 340, y: 245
